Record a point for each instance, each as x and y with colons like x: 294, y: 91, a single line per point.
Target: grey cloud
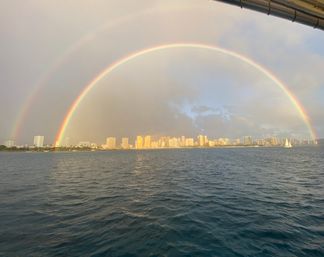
x: 35, y: 33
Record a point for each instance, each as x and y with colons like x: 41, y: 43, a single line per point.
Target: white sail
x: 287, y: 144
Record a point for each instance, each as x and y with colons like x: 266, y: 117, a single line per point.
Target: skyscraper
x: 183, y: 141
x: 125, y: 143
x: 111, y: 143
x: 247, y: 140
x: 190, y: 142
x: 202, y: 140
x: 9, y: 143
x: 147, y: 142
x: 139, y: 142
x: 173, y: 142
x: 38, y: 141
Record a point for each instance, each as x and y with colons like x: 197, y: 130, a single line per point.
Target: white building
x: 247, y: 140
x: 173, y: 142
x: 147, y: 141
x: 125, y: 143
x: 202, y: 140
x: 39, y: 141
x: 139, y: 143
x: 190, y: 142
x: 110, y: 143
x: 9, y: 143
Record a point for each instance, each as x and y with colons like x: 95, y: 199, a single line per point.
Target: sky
x: 50, y: 50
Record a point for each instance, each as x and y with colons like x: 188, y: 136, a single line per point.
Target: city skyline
x: 166, y: 141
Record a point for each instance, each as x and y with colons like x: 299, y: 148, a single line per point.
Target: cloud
x: 201, y: 109
x: 186, y: 84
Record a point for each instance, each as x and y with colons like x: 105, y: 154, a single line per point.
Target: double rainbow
x: 284, y: 88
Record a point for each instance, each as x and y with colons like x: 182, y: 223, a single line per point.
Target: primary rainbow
x: 300, y: 109
x: 22, y: 115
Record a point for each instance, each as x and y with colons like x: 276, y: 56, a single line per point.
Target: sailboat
x: 287, y: 144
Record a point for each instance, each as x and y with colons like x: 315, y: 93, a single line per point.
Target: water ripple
x: 199, y: 202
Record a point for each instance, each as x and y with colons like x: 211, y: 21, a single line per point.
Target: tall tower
x: 139, y: 142
x: 147, y: 142
x: 9, y: 143
x: 247, y: 140
x: 202, y: 140
x: 39, y: 141
x: 125, y: 143
x: 111, y: 143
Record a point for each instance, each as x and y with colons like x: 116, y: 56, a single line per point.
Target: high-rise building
x: 173, y: 142
x: 224, y: 141
x: 110, y: 143
x: 125, y: 143
x: 236, y: 141
x: 154, y: 144
x: 211, y: 143
x: 163, y: 142
x: 202, y: 140
x: 9, y: 143
x: 247, y: 140
x: 147, y: 142
x: 183, y: 141
x: 274, y: 141
x: 38, y: 141
x: 190, y: 142
x: 139, y: 143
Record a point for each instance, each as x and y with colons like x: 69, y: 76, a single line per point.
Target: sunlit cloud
x: 163, y: 94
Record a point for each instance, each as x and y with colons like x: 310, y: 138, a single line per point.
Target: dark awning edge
x: 308, y: 12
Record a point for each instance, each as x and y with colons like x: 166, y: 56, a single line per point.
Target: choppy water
x: 198, y: 202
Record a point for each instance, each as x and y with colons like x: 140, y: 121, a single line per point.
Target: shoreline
x: 74, y: 150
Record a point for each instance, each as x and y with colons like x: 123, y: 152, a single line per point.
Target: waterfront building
x: 190, y: 142
x: 110, y: 143
x: 139, y: 143
x: 163, y: 142
x: 211, y: 143
x: 247, y: 140
x: 154, y: 144
x: 182, y: 141
x: 202, y: 140
x: 223, y: 141
x: 147, y: 142
x: 125, y: 143
x: 93, y: 145
x: 9, y: 143
x: 261, y: 142
x: 274, y: 141
x: 173, y: 142
x: 39, y: 141
x: 236, y: 141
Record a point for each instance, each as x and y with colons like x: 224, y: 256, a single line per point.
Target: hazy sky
x: 51, y: 49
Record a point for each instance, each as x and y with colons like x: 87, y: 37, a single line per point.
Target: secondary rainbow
x: 41, y: 82
x: 299, y: 108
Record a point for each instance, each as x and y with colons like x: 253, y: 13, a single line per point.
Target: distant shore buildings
x: 154, y: 142
x: 9, y: 143
x: 39, y: 141
x: 202, y: 141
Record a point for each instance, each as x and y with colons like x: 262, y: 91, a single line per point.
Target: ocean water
x: 194, y: 202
